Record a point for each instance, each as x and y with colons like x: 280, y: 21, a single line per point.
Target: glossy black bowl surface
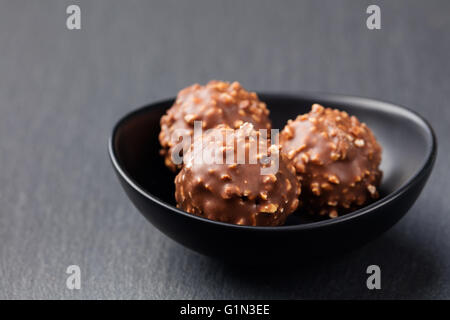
x: 409, y: 151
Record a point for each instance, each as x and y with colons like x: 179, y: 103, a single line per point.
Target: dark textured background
x: 61, y: 92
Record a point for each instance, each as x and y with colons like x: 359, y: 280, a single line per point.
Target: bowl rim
x: 323, y: 98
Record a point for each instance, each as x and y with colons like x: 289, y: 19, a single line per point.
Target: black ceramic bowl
x: 409, y: 151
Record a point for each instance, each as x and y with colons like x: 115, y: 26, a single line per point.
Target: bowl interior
x: 404, y: 137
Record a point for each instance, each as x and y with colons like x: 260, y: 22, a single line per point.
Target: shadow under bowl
x: 409, y: 151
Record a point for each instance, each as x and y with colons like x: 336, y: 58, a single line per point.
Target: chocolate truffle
x: 235, y: 191
x: 336, y: 159
x: 213, y: 104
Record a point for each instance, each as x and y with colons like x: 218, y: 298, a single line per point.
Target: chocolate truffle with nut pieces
x: 254, y: 192
x: 216, y: 103
x: 336, y: 158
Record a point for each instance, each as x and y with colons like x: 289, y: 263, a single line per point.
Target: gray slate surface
x: 61, y: 92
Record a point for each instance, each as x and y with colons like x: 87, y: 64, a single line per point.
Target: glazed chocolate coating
x: 237, y: 193
x: 214, y: 104
x: 336, y: 159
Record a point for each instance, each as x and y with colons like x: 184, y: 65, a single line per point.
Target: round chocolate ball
x: 216, y: 103
x: 248, y: 183
x: 336, y: 158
